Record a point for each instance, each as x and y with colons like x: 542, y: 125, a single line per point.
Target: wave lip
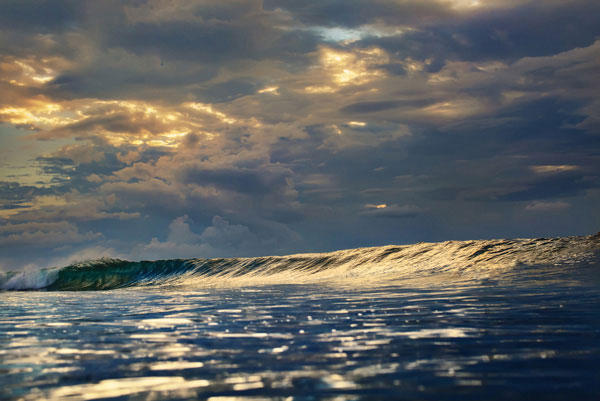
x: 375, y: 263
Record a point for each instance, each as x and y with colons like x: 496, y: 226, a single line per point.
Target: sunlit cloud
x: 29, y: 72
x: 287, y: 119
x: 549, y: 169
x: 270, y: 89
x: 455, y: 109
x: 380, y: 206
x: 462, y: 4
x: 347, y: 68
x: 38, y: 115
x: 352, y: 68
x: 207, y: 108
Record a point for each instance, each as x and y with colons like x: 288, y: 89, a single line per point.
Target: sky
x: 150, y: 129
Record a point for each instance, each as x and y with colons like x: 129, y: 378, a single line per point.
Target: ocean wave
x: 375, y: 263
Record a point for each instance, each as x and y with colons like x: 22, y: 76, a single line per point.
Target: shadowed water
x: 521, y: 333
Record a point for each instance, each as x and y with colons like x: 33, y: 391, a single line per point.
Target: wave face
x: 471, y: 258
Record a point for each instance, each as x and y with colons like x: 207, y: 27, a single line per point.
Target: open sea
x: 459, y: 320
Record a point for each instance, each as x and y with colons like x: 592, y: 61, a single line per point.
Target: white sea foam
x: 28, y: 279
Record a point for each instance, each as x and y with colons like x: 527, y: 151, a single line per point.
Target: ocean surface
x: 459, y: 320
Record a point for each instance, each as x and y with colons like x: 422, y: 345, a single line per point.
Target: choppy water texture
x: 476, y: 320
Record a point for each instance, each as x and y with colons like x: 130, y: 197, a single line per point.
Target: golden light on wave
x: 113, y: 388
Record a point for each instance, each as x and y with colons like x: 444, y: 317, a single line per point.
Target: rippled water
x: 526, y: 334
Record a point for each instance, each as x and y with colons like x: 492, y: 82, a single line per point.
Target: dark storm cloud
x: 521, y: 166
x: 13, y: 195
x: 230, y: 90
x: 248, y: 181
x: 370, y: 107
x: 564, y: 185
x: 212, y: 41
x: 73, y: 172
x: 394, y: 69
x: 392, y: 211
x: 531, y: 30
x: 40, y: 16
x: 211, y: 37
x: 373, y: 107
x: 493, y: 165
x: 353, y: 13
x: 109, y: 81
x: 132, y: 55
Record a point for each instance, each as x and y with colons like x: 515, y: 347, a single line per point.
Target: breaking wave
x: 375, y: 263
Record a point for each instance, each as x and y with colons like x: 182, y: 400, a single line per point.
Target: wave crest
x: 376, y: 263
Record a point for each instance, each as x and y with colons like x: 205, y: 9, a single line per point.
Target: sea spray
x: 28, y: 279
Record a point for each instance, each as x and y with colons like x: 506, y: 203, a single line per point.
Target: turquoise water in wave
x: 494, y: 331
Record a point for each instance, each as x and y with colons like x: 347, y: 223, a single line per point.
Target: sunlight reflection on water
x: 518, y: 337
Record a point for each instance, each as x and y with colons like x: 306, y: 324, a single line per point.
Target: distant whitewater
x: 472, y: 258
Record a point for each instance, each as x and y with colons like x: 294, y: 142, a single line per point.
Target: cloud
x: 79, y: 154
x: 371, y: 107
x: 149, y: 112
x: 60, y: 226
x: 531, y: 29
x: 180, y: 232
x: 43, y: 235
x: 218, y: 240
x: 41, y: 17
x: 559, y: 186
x: 14, y: 195
x: 356, y: 13
x: 552, y: 169
x: 391, y: 211
x: 72, y: 206
x: 542, y: 206
x: 263, y: 180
